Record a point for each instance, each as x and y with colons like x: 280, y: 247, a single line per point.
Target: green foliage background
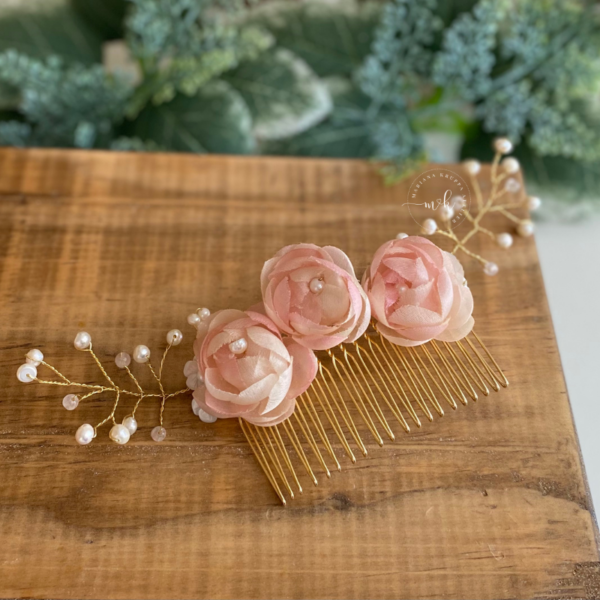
x: 344, y: 79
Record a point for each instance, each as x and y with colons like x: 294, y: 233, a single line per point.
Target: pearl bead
x: 131, y: 424
x: 205, y: 417
x: 511, y: 185
x: 503, y: 145
x: 82, y: 340
x: 85, y: 434
x: 458, y: 202
x: 472, y: 166
x: 26, y: 373
x: 401, y: 236
x: 505, y: 240
x: 194, y: 319
x: 239, y: 346
x: 195, y: 407
x: 533, y: 203
x: 122, y: 360
x: 141, y: 354
x: 316, y: 285
x: 525, y: 228
x: 511, y: 165
x: 119, y: 434
x: 194, y: 381
x: 402, y: 289
x: 490, y: 269
x: 174, y: 337
x: 203, y: 313
x: 190, y: 368
x: 70, y: 402
x: 158, y: 434
x: 429, y: 226
x: 34, y: 357
x: 446, y: 212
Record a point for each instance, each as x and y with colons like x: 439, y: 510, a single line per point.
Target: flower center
x: 239, y: 346
x: 316, y: 285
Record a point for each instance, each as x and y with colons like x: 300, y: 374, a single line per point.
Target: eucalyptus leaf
x: 39, y: 30
x: 354, y: 129
x: 332, y: 37
x: 216, y: 120
x: 282, y: 92
x: 345, y: 135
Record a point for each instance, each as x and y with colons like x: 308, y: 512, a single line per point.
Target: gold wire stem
x: 162, y: 391
x: 162, y: 361
x: 90, y: 394
x: 56, y: 371
x: 260, y: 457
x: 493, y: 203
x: 97, y: 361
x: 111, y: 416
x: 139, y: 387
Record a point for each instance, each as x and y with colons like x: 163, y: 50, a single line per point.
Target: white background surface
x: 570, y: 257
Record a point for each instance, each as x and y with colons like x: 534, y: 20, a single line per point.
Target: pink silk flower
x: 418, y: 292
x: 312, y: 294
x: 259, y: 384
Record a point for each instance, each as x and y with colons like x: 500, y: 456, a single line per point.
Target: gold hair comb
x: 399, y: 346
x: 369, y: 385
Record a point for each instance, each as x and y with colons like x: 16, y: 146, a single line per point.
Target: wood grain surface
x: 489, y: 501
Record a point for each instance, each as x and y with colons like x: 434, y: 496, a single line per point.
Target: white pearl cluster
x: 193, y: 377
x: 202, y: 414
x: 196, y: 318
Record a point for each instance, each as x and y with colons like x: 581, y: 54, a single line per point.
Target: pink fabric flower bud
x: 312, y: 295
x: 418, y: 293
x: 258, y: 379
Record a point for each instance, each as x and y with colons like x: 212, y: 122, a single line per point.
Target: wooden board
x: 488, y: 502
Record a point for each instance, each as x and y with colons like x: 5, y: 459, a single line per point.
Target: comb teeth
x: 368, y: 386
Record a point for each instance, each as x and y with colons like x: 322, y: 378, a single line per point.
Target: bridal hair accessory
x: 500, y: 200
x: 389, y: 349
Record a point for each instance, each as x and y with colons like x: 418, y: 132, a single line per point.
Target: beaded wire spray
x: 120, y: 432
x: 502, y: 184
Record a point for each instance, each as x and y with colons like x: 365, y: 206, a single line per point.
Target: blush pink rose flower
x: 417, y: 293
x: 249, y: 371
x: 312, y: 295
